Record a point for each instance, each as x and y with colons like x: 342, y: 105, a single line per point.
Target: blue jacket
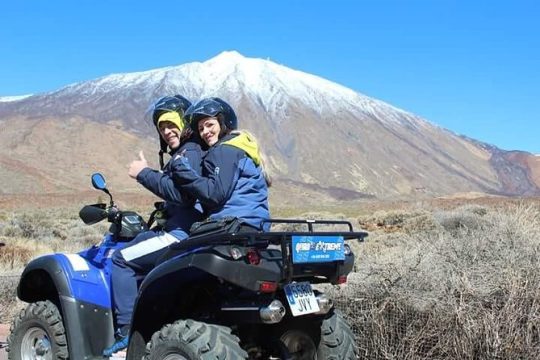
x: 231, y: 184
x: 180, y: 206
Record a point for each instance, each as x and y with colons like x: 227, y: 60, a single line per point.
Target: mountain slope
x: 319, y: 137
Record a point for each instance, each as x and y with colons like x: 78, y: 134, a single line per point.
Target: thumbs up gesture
x: 136, y: 166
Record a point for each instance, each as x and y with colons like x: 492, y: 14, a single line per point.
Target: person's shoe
x: 120, y: 344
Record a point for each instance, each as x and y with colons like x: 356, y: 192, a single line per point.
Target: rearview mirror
x: 98, y: 181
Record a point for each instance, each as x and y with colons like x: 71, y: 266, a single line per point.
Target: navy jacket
x: 179, y: 205
x: 231, y: 184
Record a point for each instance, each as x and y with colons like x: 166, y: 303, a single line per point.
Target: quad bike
x: 220, y: 294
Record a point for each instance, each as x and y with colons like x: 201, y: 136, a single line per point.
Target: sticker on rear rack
x: 312, y: 249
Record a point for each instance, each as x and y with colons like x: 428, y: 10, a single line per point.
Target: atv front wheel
x: 191, y: 340
x: 38, y: 333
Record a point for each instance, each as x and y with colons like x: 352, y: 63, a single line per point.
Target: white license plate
x: 301, y: 298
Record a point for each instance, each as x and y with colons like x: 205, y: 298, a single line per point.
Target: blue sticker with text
x: 312, y: 249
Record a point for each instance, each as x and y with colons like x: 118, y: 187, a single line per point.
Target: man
x: 137, y: 259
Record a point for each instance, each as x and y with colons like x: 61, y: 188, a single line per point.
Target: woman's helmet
x: 214, y: 107
x: 175, y: 103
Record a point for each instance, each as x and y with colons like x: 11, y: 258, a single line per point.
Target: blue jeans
x: 132, y: 263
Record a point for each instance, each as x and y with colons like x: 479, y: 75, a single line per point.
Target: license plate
x: 301, y: 298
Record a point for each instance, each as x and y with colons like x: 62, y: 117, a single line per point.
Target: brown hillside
x: 56, y: 155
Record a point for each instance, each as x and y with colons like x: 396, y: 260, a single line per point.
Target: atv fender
x: 87, y: 317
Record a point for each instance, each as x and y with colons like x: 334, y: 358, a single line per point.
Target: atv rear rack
x: 270, y: 237
x: 285, y: 237
x: 264, y: 239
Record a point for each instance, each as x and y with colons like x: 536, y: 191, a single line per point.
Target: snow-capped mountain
x: 228, y: 74
x: 317, y: 135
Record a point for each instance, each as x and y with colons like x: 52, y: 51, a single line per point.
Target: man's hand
x: 136, y: 166
x: 178, y: 156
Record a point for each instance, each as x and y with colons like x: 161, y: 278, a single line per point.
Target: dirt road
x: 4, y: 331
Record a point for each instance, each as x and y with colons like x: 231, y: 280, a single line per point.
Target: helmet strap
x: 162, y: 150
x: 161, y: 164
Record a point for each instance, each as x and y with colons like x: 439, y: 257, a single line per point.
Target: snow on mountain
x: 272, y: 84
x: 264, y: 76
x: 13, y: 98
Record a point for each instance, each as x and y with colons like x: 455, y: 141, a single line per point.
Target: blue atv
x: 220, y: 294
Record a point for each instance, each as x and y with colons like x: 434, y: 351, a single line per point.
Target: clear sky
x: 471, y: 66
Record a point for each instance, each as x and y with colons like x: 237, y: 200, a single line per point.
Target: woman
x: 233, y: 181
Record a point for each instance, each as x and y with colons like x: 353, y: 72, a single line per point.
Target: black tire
x: 38, y: 333
x: 331, y: 339
x: 337, y: 339
x: 191, y: 340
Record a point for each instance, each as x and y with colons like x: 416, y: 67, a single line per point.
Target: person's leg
x: 128, y: 266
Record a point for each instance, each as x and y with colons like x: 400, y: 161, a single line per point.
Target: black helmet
x: 176, y: 103
x: 212, y: 106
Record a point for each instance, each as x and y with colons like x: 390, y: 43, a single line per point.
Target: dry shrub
x: 468, y: 290
x: 393, y: 327
x: 17, y: 252
x: 474, y: 209
x: 313, y: 216
x: 56, y: 230
x: 456, y: 221
x: 421, y: 223
x: 9, y: 304
x: 30, y: 225
x: 82, y: 236
x: 399, y: 220
x: 454, y: 284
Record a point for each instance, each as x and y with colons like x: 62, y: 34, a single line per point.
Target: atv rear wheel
x: 337, y: 339
x: 298, y: 344
x: 38, y: 333
x: 191, y: 340
x: 305, y: 340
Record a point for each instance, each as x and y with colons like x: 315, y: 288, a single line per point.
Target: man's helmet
x: 175, y: 103
x: 214, y: 107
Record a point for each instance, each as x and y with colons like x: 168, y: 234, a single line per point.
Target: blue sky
x: 470, y: 66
